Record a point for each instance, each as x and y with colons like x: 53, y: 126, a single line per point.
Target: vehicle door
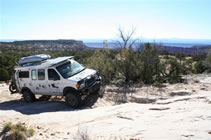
x: 23, y: 79
x: 39, y: 81
x: 53, y: 82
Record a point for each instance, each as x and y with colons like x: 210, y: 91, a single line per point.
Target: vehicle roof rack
x: 33, y: 59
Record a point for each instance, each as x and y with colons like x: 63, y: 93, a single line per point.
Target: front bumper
x: 94, y: 87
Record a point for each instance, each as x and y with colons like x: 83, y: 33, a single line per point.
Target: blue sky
x: 99, y: 19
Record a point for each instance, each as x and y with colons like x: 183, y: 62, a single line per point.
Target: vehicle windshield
x: 70, y: 68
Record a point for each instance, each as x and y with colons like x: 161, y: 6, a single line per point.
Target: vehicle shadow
x: 44, y: 106
x: 34, y: 108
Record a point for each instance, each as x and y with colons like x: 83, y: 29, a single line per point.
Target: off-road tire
x: 73, y: 100
x: 28, y: 96
x: 12, y: 88
x: 96, y: 92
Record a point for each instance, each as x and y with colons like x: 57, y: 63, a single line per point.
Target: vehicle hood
x: 82, y: 75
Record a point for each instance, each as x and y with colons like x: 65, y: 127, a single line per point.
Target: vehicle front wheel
x: 28, y: 96
x: 73, y: 100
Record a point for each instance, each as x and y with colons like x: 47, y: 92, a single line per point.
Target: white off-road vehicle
x: 62, y: 76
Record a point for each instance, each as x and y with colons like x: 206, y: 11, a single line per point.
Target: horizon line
x: 108, y: 39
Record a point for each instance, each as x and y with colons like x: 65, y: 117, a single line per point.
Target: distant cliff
x: 69, y: 45
x: 195, y: 50
x: 50, y: 45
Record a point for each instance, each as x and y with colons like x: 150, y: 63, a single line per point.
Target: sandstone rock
x: 180, y: 93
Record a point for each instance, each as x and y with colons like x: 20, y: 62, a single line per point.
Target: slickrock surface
x: 169, y: 115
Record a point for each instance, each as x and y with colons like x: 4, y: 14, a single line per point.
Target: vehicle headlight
x: 81, y: 84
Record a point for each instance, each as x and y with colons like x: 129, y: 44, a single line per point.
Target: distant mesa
x: 69, y: 45
x: 47, y: 45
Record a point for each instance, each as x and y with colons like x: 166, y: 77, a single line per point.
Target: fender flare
x: 24, y: 89
x: 69, y: 89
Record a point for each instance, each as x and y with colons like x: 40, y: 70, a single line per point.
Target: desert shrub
x: 16, y: 135
x: 149, y: 64
x: 185, y: 63
x: 16, y: 132
x: 174, y: 71
x: 82, y: 134
x: 207, y: 61
x: 104, y: 62
x: 187, y: 66
x: 200, y: 57
x: 127, y: 63
x: 142, y: 66
x: 4, y: 74
x: 20, y: 127
x: 7, y: 127
x: 199, y: 67
x: 164, y: 52
x: 199, y: 63
x: 30, y: 132
x: 180, y: 57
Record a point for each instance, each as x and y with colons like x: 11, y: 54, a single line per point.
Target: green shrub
x: 187, y: 66
x: 127, y: 65
x: 104, y: 62
x: 150, y: 64
x: 20, y: 127
x: 207, y: 61
x: 17, y: 135
x: 7, y: 127
x: 16, y: 132
x: 4, y: 75
x: 30, y: 132
x: 174, y: 71
x: 199, y: 67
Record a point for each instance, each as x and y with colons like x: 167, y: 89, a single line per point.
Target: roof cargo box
x: 33, y: 59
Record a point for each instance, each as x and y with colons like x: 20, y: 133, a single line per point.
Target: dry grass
x: 82, y: 134
x: 16, y: 132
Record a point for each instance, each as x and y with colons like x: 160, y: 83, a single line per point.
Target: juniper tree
x: 149, y: 64
x: 207, y: 61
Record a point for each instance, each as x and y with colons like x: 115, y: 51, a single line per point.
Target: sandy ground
x: 179, y: 111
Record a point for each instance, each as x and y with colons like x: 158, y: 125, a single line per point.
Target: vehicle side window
x: 41, y: 74
x: 23, y: 74
x: 53, y: 75
x: 34, y: 74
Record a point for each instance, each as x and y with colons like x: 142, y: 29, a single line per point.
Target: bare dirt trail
x: 176, y: 117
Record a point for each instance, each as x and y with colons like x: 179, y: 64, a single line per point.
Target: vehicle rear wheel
x: 73, y: 100
x: 28, y: 96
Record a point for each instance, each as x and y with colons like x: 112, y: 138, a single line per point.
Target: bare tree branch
x: 126, y: 38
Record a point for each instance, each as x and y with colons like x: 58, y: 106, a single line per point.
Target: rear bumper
x: 94, y: 87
